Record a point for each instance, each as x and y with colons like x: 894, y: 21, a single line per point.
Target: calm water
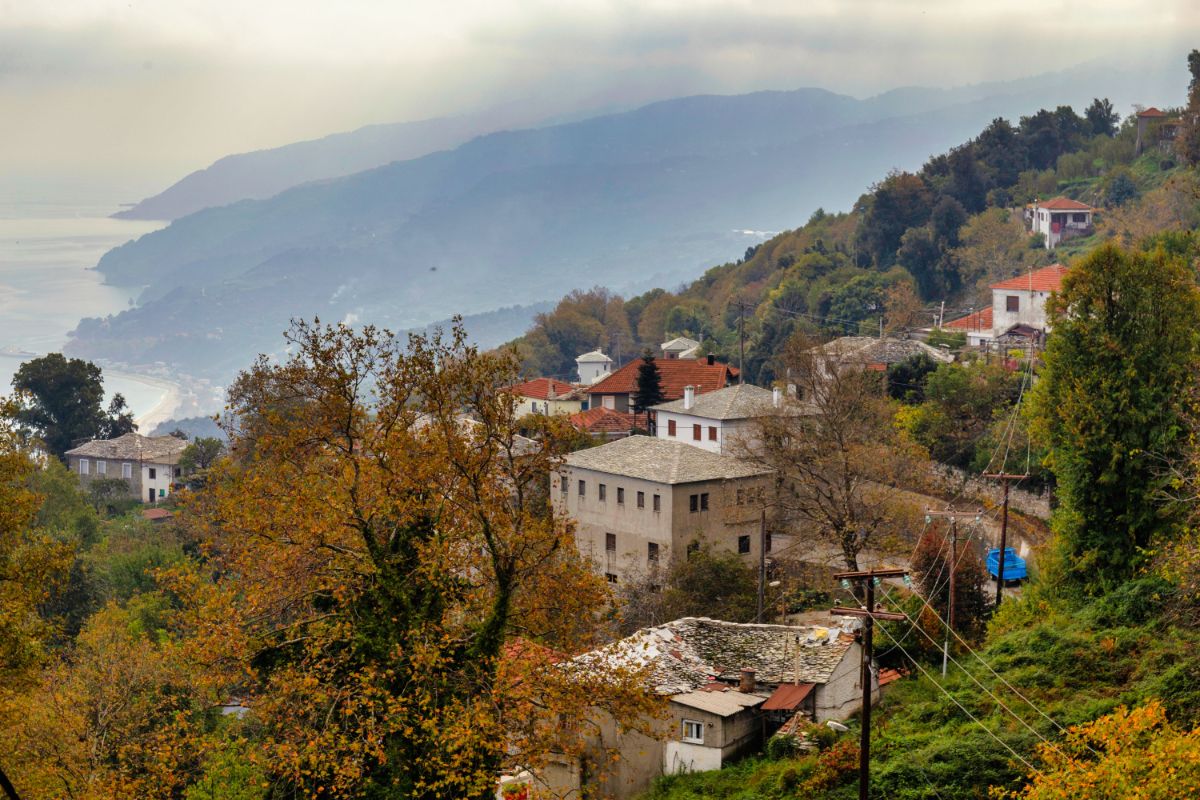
x: 47, y: 286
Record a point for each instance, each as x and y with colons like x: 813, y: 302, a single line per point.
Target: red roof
x: 1152, y: 112
x: 1063, y: 204
x: 539, y: 388
x: 887, y: 676
x: 602, y: 420
x: 676, y: 374
x: 1047, y: 279
x: 153, y: 514
x: 979, y: 321
x: 787, y: 697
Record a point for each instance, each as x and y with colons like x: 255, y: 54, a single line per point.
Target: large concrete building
x: 148, y: 464
x: 639, y: 501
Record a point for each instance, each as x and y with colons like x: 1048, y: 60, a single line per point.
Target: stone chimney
x: 776, y: 397
x: 711, y: 359
x: 550, y: 393
x: 689, y: 397
x: 747, y: 683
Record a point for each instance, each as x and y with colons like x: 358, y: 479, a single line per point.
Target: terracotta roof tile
x: 1152, y: 112
x: 539, y: 389
x: 676, y: 374
x: 1047, y: 279
x: 602, y: 420
x: 981, y: 320
x: 1063, y: 204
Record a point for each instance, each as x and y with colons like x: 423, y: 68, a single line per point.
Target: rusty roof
x: 788, y: 697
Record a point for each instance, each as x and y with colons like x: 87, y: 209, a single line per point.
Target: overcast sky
x: 138, y: 92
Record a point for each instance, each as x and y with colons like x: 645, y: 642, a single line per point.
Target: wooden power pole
x: 1006, y: 479
x: 762, y: 564
x: 869, y: 614
x: 954, y: 517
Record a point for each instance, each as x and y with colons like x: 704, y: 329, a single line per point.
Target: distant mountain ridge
x: 647, y: 197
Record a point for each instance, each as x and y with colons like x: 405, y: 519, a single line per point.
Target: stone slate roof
x: 594, y: 357
x: 679, y: 343
x: 732, y: 402
x: 869, y: 350
x: 133, y: 447
x: 724, y: 703
x: 689, y: 653
x: 662, y: 461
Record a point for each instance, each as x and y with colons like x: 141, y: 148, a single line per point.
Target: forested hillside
x: 911, y: 243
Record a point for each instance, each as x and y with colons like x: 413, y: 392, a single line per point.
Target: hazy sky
x: 134, y: 93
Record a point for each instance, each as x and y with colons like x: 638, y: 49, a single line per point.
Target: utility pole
x: 953, y: 516
x: 741, y: 342
x: 9, y: 790
x: 868, y: 614
x: 1006, y: 479
x: 762, y: 564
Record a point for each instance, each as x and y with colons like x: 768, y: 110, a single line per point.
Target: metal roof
x: 788, y: 697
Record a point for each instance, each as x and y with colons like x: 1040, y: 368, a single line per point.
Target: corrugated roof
x: 662, y: 461
x: 676, y: 373
x: 689, y: 653
x: 1063, y: 204
x: 733, y: 402
x: 1047, y: 279
x: 133, y: 447
x: 723, y: 704
x: 979, y: 321
x: 788, y: 697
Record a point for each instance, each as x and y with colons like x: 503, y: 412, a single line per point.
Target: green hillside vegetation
x: 945, y: 232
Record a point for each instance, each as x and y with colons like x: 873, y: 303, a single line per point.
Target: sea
x: 47, y: 284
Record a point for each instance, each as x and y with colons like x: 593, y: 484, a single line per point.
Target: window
x: 670, y: 427
x: 696, y: 432
x: 153, y: 473
x: 704, y: 502
x: 620, y: 496
x: 694, y: 503
x: 83, y: 466
x: 743, y: 544
x: 582, y: 489
x: 741, y: 497
x: 693, y: 547
x: 1012, y: 302
x: 101, y: 467
x: 657, y: 503
x: 767, y: 544
x: 127, y: 471
x: 602, y: 493
x: 563, y: 485
x: 712, y: 433
x: 178, y: 472
x: 641, y: 499
x: 611, y: 578
x: 610, y: 542
x: 652, y: 552
x: 693, y: 731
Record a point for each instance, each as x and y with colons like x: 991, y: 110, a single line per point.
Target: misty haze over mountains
x: 632, y: 200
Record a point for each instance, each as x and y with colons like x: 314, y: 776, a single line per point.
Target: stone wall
x: 951, y: 482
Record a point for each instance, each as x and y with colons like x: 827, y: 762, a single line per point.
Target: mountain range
x: 631, y: 200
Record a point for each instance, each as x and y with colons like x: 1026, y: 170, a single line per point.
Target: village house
x: 872, y: 354
x: 593, y: 367
x: 639, y: 501
x: 546, y: 396
x: 604, y: 423
x: 728, y: 687
x: 148, y: 464
x: 1155, y: 128
x: 1059, y: 219
x: 616, y: 391
x: 1018, y: 311
x: 680, y: 347
x: 717, y: 421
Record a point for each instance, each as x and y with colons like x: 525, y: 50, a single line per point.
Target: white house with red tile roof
x: 1018, y: 305
x: 547, y: 396
x: 1059, y: 219
x: 617, y: 390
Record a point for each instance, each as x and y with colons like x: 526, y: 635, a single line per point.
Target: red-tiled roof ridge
x: 1061, y: 203
x: 602, y: 420
x: 981, y: 320
x: 676, y: 373
x: 539, y: 388
x: 1152, y: 112
x: 1046, y: 279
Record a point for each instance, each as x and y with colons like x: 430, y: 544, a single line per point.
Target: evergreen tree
x: 1187, y: 141
x: 649, y: 384
x: 1120, y: 369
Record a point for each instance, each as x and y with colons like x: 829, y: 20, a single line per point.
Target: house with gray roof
x: 727, y: 686
x: 148, y: 464
x: 640, y: 501
x: 717, y: 421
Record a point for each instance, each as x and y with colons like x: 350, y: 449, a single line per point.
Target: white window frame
x: 693, y: 726
x: 101, y: 467
x: 127, y: 471
x: 84, y: 467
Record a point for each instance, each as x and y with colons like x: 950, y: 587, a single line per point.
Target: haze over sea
x: 47, y: 285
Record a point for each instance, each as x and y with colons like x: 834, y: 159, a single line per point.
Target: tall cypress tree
x: 649, y: 385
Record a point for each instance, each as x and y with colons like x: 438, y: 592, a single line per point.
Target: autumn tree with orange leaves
x: 393, y: 595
